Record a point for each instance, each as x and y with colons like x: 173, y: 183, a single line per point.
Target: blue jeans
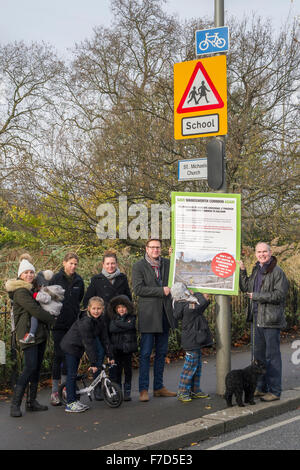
x: 72, y: 370
x: 148, y: 340
x: 267, y: 349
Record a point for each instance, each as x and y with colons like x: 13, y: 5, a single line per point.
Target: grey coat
x: 271, y: 298
x: 151, y: 299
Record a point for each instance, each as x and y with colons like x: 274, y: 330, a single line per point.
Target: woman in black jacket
x: 107, y: 284
x: 73, y: 284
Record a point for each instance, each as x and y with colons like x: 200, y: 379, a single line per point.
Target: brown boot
x: 164, y: 392
x: 144, y: 395
x: 269, y: 397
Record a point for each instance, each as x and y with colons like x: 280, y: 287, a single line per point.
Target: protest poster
x: 206, y: 238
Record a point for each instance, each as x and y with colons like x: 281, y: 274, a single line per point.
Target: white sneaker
x: 76, y: 407
x: 83, y: 406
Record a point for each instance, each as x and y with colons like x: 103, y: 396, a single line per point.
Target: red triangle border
x: 206, y: 107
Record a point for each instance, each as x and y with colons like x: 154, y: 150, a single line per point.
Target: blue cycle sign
x: 214, y: 40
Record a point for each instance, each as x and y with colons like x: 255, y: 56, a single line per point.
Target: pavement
x: 161, y: 423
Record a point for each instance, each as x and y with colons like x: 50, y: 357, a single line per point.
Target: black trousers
x: 33, y: 358
x: 123, y: 363
x: 59, y: 360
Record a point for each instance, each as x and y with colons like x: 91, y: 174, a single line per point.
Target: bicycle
x: 112, y: 393
x: 212, y: 39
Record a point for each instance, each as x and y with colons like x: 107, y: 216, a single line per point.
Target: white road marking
x: 255, y: 433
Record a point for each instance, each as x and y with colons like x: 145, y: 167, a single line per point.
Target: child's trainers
x: 54, y: 399
x: 199, y: 395
x: 76, y: 407
x: 28, y: 339
x: 184, y: 397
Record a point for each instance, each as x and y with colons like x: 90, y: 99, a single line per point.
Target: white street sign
x: 195, y: 169
x: 200, y: 124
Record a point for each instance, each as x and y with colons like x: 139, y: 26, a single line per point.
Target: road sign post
x: 223, y: 309
x: 200, y: 110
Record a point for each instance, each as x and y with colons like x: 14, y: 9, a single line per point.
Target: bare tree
x: 27, y: 76
x: 263, y: 136
x: 110, y: 129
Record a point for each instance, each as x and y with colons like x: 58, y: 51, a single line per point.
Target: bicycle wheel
x: 203, y: 45
x: 62, y: 393
x: 112, y: 393
x: 220, y: 42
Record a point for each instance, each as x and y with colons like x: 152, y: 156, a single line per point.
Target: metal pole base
x: 223, y: 340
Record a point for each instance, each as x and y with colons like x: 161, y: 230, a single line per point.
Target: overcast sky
x: 63, y: 23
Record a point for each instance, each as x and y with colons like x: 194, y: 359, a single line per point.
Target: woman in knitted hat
x: 24, y: 307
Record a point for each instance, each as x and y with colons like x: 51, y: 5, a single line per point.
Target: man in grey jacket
x: 267, y: 289
x: 155, y: 316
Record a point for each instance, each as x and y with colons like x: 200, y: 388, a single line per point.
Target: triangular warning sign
x: 200, y: 94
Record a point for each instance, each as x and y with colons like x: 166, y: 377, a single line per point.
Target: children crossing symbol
x: 200, y: 93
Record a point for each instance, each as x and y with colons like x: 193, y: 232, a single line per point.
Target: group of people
x: 106, y: 326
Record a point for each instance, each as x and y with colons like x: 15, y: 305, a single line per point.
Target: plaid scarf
x: 155, y: 263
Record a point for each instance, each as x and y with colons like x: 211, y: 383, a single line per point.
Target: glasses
x: 154, y: 247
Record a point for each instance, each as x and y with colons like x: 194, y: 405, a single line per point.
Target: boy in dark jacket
x: 189, y: 308
x: 123, y: 338
x: 82, y: 337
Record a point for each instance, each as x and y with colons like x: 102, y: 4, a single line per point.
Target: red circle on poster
x: 223, y: 265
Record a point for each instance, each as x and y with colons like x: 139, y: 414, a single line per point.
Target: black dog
x: 243, y: 380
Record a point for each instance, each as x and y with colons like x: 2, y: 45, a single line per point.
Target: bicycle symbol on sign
x: 213, y: 40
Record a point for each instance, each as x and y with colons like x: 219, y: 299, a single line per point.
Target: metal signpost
x: 200, y: 110
x: 223, y: 310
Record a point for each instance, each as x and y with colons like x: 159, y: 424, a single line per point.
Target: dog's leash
x: 253, y: 337
x: 254, y: 321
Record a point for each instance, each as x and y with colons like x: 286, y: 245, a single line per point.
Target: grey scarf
x: 111, y: 276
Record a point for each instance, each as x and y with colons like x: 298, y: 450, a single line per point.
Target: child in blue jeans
x: 80, y: 338
x: 189, y: 308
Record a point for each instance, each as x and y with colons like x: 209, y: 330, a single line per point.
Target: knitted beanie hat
x: 25, y: 264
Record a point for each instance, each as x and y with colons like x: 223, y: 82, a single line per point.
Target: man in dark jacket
x: 155, y: 317
x: 267, y: 289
